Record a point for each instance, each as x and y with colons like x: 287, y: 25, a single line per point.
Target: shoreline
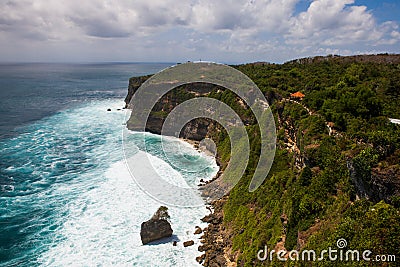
x: 197, y: 222
x: 203, y: 150
x: 215, y: 238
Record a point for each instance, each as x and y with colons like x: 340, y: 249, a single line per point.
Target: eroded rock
x: 157, y: 227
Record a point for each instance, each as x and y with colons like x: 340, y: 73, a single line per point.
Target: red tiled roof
x: 298, y: 95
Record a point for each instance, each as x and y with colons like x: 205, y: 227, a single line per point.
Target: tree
x: 161, y: 214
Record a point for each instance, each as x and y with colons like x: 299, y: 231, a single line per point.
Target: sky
x: 226, y: 31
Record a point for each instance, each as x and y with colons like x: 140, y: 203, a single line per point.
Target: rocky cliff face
x: 383, y: 183
x: 134, y: 84
x: 196, y: 130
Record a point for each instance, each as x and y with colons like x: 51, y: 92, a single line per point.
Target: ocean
x: 66, y: 195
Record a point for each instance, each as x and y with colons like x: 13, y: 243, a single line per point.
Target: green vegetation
x: 313, y: 204
x: 161, y: 214
x: 336, y: 172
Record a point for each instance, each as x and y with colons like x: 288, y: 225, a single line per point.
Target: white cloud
x: 210, y: 27
x: 233, y: 15
x: 334, y: 22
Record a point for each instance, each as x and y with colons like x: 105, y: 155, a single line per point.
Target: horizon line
x: 184, y: 61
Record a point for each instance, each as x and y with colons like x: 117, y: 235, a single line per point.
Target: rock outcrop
x: 156, y: 228
x: 383, y: 183
x: 134, y: 84
x: 153, y: 230
x: 196, y: 129
x: 215, y: 239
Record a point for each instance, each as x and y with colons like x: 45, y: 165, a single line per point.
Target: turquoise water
x: 29, y: 92
x: 66, y: 195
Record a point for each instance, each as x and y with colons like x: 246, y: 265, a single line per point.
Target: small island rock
x: 188, y: 243
x: 157, y: 227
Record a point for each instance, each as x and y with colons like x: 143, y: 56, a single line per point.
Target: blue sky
x: 229, y: 31
x: 383, y: 10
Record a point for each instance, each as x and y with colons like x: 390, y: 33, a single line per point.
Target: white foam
x: 6, y: 188
x: 99, y: 224
x: 104, y: 224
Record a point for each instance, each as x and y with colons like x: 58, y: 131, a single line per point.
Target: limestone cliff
x: 134, y: 84
x: 381, y: 183
x: 196, y: 130
x: 314, y: 180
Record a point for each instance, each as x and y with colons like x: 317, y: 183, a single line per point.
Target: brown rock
x: 154, y: 230
x: 201, y: 258
x: 198, y: 231
x: 220, y: 260
x: 188, y: 243
x: 157, y: 227
x: 202, y: 248
x: 208, y: 218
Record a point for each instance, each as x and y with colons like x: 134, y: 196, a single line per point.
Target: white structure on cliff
x: 397, y: 121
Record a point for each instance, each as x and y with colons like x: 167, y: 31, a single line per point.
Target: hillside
x: 327, y: 183
x: 336, y: 172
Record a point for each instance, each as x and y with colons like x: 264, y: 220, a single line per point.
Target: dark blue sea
x: 66, y: 196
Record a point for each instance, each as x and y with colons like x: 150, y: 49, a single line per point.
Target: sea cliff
x: 195, y: 130
x: 336, y: 172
